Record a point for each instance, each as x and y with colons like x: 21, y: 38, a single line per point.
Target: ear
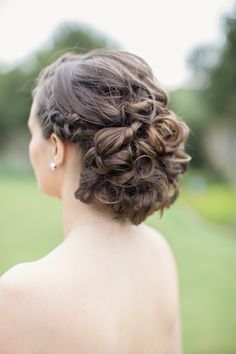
x: 58, y: 149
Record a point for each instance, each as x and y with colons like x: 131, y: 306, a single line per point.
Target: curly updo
x: 131, y: 145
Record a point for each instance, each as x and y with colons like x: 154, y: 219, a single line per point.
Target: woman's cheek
x: 35, y: 155
x: 38, y: 157
x: 32, y: 152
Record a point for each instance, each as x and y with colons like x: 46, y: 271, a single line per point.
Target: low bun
x: 132, y: 146
x: 134, y: 175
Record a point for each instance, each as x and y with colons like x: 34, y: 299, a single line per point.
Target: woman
x: 104, y: 143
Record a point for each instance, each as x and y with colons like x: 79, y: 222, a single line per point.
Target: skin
x: 109, y: 287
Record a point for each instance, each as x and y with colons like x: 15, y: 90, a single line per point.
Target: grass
x: 216, y: 202
x: 205, y: 254
x: 206, y: 258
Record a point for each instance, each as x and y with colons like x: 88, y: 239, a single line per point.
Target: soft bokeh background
x: 191, y: 47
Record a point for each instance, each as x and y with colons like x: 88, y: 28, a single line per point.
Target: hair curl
x: 109, y: 103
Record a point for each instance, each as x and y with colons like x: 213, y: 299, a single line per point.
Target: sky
x: 162, y: 32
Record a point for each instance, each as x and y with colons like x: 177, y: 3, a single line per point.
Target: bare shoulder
x: 21, y: 276
x: 172, y: 296
x: 165, y: 254
x: 161, y: 246
x: 165, y: 265
x: 15, y: 270
x: 16, y: 310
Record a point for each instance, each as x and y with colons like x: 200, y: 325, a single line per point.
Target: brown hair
x: 109, y: 103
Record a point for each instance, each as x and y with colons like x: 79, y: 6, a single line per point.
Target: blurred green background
x: 200, y: 226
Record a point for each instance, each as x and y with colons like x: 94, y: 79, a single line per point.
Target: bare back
x: 117, y: 296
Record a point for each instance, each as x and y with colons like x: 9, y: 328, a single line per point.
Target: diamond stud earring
x: 53, y: 165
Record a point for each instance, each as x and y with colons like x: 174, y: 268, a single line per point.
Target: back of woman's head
x: 131, y: 145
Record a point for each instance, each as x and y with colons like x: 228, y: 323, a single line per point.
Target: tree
x: 17, y: 83
x: 215, y: 77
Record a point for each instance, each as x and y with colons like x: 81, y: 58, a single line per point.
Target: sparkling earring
x: 53, y: 165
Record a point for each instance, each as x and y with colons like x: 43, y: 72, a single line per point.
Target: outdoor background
x: 191, y: 47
